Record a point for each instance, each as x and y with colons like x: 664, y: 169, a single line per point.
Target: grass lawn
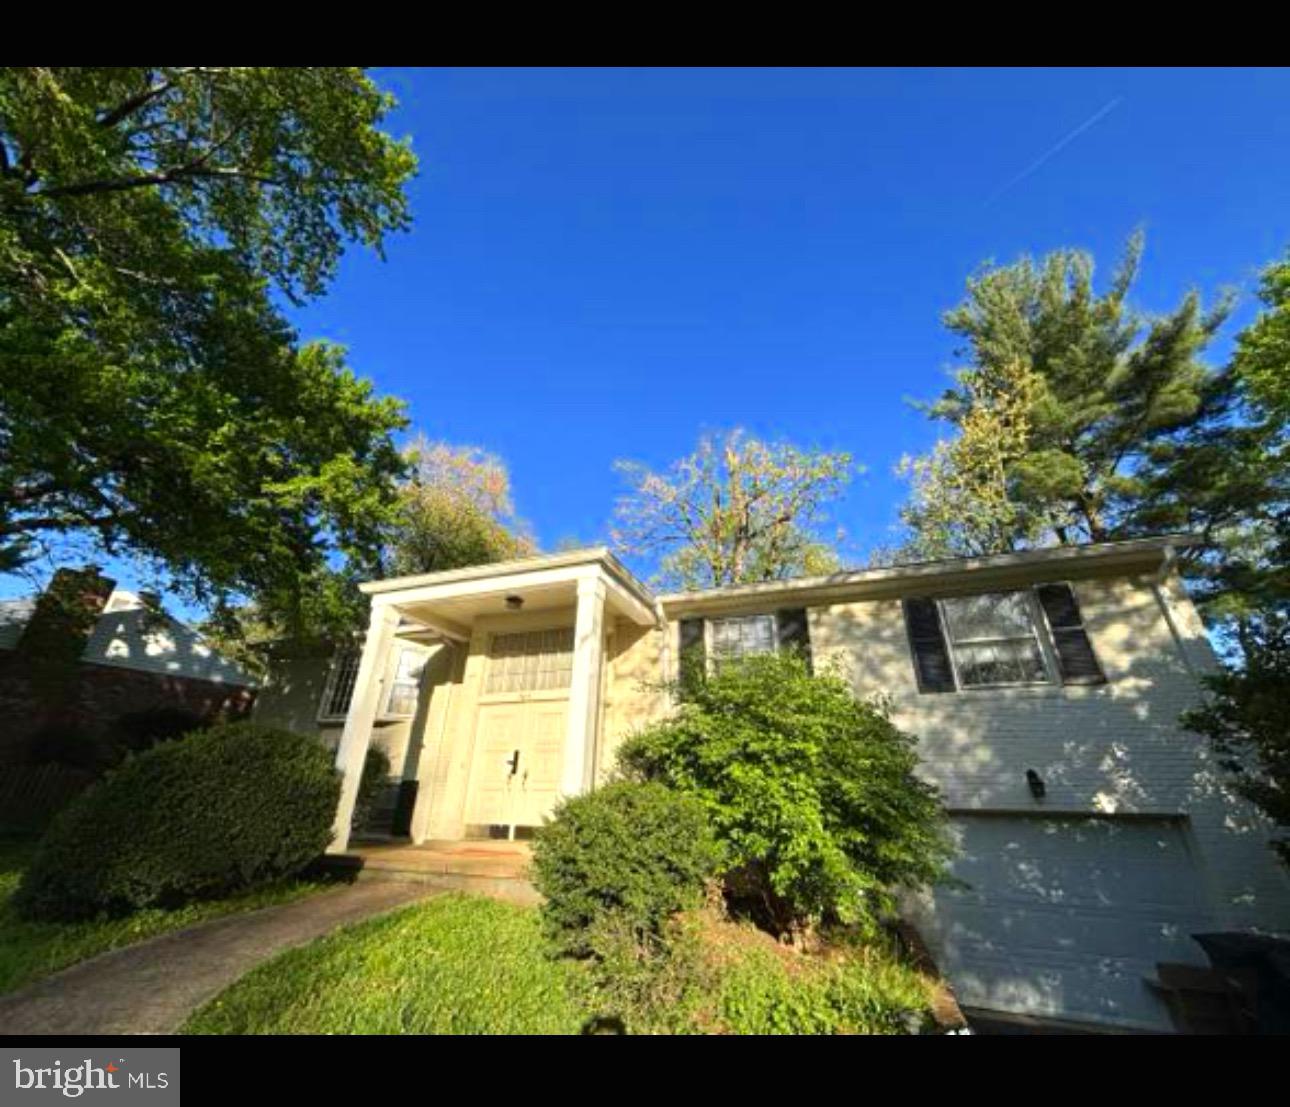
x: 29, y: 950
x: 453, y: 965
x: 461, y: 964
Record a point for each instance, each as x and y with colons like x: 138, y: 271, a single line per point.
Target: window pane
x: 531, y: 661
x: 340, y: 684
x: 743, y: 637
x: 992, y: 615
x: 993, y: 639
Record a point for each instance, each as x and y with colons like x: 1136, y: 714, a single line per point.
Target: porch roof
x: 449, y: 602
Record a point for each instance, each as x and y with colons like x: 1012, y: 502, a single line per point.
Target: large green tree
x: 737, y: 510
x: 454, y: 510
x: 153, y: 400
x: 1105, y: 384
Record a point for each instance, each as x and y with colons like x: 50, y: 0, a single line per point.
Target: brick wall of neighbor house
x: 99, y: 693
x: 1114, y: 748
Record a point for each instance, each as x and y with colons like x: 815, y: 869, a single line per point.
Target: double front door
x: 519, y: 754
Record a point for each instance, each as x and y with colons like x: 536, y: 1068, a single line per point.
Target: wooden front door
x: 519, y: 754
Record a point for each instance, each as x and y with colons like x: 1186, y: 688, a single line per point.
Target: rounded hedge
x: 627, y: 856
x: 213, y: 813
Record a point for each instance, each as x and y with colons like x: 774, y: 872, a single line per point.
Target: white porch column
x: 584, y: 688
x: 363, y: 706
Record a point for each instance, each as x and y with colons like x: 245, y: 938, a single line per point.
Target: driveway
x: 152, y: 987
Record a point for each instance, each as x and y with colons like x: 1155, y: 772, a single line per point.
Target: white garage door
x: 1065, y: 917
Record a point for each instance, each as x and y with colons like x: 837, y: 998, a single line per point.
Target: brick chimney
x: 55, y: 635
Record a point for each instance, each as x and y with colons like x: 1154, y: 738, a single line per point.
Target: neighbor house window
x: 993, y: 639
x: 530, y: 661
x: 740, y: 637
x: 402, y: 699
x: 339, y: 689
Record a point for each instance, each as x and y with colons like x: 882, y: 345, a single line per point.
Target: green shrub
x: 376, y: 774
x: 223, y: 810
x: 623, y: 858
x: 135, y: 731
x: 711, y: 975
x: 811, y: 792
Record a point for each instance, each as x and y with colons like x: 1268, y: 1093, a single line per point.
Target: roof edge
x: 1130, y: 550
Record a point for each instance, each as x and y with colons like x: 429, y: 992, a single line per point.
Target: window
x: 406, y: 684
x: 993, y: 640
x: 530, y: 661
x: 742, y: 637
x: 339, y: 689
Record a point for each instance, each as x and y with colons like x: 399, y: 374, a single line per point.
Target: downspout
x: 1168, y: 565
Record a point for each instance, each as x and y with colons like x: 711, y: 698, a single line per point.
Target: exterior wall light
x: 1036, y: 784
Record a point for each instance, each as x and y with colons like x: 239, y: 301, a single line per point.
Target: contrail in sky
x: 1055, y: 149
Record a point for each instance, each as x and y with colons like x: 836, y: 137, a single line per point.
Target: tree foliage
x: 454, y: 510
x: 811, y: 792
x: 961, y: 500
x: 1103, y: 385
x: 1245, y: 718
x: 737, y: 510
x: 153, y: 400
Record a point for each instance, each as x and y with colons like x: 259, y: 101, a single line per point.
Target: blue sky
x: 606, y: 262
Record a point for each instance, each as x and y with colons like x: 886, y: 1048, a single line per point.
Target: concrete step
x: 496, y: 869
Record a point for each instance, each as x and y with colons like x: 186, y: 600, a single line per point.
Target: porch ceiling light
x: 514, y: 603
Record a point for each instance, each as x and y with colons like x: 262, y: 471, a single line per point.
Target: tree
x: 1226, y: 477
x: 1263, y: 349
x: 737, y: 510
x: 454, y: 510
x: 153, y: 400
x: 1245, y: 718
x: 1105, y: 384
x: 961, y: 501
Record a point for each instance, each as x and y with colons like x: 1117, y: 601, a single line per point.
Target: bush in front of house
x: 223, y: 810
x: 811, y: 792
x: 135, y: 731
x: 376, y: 774
x: 617, y: 863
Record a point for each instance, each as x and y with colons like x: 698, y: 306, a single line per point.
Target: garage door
x: 1065, y: 917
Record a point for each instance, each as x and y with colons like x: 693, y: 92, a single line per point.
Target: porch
x: 508, y: 718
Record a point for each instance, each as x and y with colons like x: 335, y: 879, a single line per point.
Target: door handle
x: 514, y: 762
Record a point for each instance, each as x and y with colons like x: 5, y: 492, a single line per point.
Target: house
x: 1044, y: 689
x: 123, y: 654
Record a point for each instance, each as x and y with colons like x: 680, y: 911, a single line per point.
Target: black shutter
x: 927, y: 643
x: 692, y: 662
x: 793, y: 631
x: 1075, y: 656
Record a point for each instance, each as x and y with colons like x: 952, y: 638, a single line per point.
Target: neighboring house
x: 1044, y: 688
x: 129, y: 657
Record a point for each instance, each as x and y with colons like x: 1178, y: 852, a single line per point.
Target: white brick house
x: 1044, y: 689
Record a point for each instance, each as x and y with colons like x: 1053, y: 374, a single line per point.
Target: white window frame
x: 710, y: 636
x: 394, y: 683
x: 1038, y: 632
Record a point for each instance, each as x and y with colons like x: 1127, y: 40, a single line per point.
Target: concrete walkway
x: 152, y: 987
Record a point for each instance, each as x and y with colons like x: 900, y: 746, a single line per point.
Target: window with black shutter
x: 1075, y: 657
x: 927, y: 644
x: 794, y: 631
x: 691, y: 657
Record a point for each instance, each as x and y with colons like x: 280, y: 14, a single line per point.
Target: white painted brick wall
x: 1113, y: 748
